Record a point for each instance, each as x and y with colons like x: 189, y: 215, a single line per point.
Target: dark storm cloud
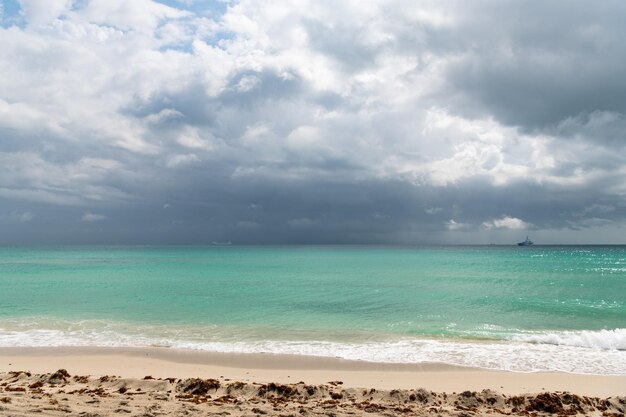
x: 314, y: 212
x: 535, y: 64
x: 601, y: 127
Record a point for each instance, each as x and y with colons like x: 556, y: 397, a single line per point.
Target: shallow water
x: 526, y: 309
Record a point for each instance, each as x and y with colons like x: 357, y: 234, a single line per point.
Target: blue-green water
x: 537, y: 308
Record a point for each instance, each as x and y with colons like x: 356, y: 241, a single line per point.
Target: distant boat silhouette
x: 228, y: 243
x: 527, y: 242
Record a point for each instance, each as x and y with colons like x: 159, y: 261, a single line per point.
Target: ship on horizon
x: 527, y: 242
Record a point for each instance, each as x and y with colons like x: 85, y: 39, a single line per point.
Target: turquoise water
x: 537, y: 308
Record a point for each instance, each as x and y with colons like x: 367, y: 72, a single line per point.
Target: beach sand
x: 162, y: 381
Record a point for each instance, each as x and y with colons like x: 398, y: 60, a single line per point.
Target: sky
x: 308, y: 122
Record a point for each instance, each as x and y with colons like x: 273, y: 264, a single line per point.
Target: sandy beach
x: 162, y: 381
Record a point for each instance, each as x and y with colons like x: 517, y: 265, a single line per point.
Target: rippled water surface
x: 561, y: 308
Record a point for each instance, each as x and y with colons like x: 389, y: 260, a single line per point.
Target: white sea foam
x: 600, y: 339
x: 590, y: 352
x: 512, y: 356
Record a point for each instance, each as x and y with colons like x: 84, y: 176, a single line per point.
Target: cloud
x: 174, y: 161
x: 92, y: 217
x: 537, y: 75
x: 21, y: 216
x: 43, y: 11
x: 302, y: 223
x: 139, y: 15
x: 454, y: 225
x: 247, y: 225
x: 506, y: 222
x: 432, y: 210
x: 592, y: 222
x: 191, y: 138
x: 368, y: 120
x: 596, y: 208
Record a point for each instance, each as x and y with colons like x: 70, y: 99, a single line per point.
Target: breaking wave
x: 588, y: 352
x: 598, y: 339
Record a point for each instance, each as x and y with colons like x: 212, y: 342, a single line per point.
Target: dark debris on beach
x: 59, y: 393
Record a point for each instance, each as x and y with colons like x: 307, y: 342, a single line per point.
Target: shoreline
x: 160, y: 362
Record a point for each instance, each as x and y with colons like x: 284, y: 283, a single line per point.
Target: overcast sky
x: 408, y: 122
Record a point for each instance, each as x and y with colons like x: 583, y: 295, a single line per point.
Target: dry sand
x: 101, y: 381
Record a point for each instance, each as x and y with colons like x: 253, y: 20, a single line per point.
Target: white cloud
x: 24, y: 117
x: 29, y: 176
x: 137, y: 15
x: 191, y: 137
x: 21, y: 216
x: 106, y: 58
x: 432, y: 210
x: 163, y: 116
x: 248, y: 83
x: 174, y: 161
x: 454, y: 225
x: 39, y: 12
x: 90, y: 217
x: 304, y: 138
x: 256, y: 133
x: 506, y: 222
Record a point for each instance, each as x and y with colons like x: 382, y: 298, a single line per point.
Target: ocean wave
x: 596, y: 339
x: 586, y: 352
x: 509, y: 356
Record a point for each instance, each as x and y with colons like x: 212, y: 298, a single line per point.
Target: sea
x: 524, y: 309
